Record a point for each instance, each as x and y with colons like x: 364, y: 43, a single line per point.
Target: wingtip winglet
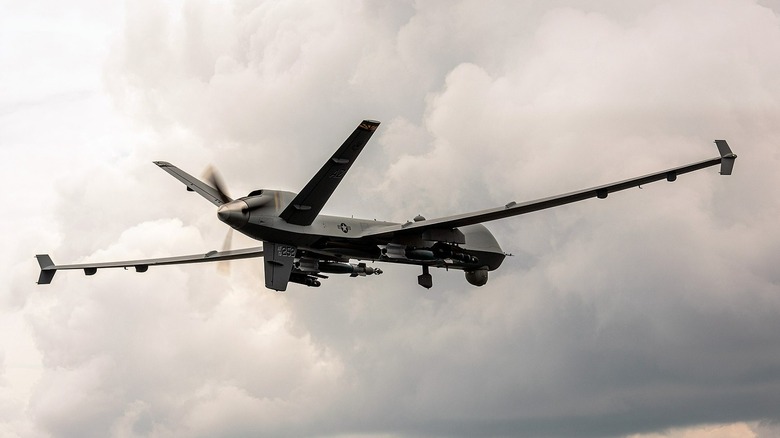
x: 727, y: 157
x: 47, y: 268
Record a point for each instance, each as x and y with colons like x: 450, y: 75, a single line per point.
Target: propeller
x: 214, y: 179
x: 224, y: 265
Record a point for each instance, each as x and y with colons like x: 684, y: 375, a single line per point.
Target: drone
x: 299, y: 245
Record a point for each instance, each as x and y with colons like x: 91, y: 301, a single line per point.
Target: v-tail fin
x: 193, y: 184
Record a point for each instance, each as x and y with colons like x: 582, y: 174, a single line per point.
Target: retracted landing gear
x: 425, y: 280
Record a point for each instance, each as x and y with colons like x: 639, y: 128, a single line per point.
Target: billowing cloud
x: 651, y: 313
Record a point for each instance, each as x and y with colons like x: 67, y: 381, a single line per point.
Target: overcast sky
x: 654, y: 313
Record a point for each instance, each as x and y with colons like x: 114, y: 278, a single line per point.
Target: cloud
x: 653, y: 312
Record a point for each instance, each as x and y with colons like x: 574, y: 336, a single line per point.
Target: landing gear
x: 425, y: 280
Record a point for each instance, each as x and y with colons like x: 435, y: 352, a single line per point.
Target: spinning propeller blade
x: 212, y: 177
x: 224, y: 266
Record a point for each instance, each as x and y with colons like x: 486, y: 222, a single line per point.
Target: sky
x: 653, y: 313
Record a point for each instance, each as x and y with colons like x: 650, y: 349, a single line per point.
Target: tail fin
x: 47, y: 268
x: 193, y: 184
x: 727, y: 157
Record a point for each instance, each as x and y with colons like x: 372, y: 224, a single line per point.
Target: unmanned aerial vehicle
x: 302, y: 246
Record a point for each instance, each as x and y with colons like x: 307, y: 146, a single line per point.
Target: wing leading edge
x: 726, y: 160
x: 309, y: 202
x: 48, y: 268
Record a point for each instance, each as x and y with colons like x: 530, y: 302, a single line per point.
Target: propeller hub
x: 234, y: 213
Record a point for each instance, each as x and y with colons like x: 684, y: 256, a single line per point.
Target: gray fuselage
x: 343, y: 238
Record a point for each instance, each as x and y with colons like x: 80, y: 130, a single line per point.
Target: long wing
x: 193, y: 184
x: 309, y: 202
x: 726, y: 160
x: 48, y: 268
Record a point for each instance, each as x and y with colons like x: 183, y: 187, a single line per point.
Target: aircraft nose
x: 235, y: 213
